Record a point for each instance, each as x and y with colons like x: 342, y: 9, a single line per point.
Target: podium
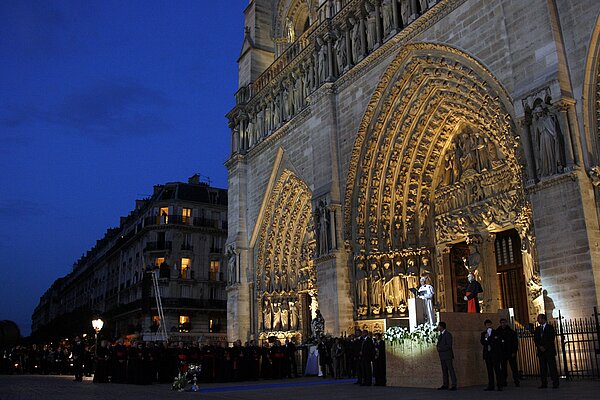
x: 416, y: 313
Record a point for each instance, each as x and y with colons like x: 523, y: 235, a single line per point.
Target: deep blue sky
x: 99, y: 101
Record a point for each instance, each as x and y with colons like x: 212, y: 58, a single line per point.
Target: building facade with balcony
x: 178, y: 234
x: 374, y: 142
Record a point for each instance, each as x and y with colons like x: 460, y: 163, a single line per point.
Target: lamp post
x: 97, y: 324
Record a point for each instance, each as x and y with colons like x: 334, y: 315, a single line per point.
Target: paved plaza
x: 26, y: 387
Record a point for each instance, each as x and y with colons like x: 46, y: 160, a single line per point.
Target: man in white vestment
x: 426, y: 293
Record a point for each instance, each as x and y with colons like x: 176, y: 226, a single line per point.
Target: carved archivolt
x: 285, y: 252
x: 430, y: 95
x: 434, y: 162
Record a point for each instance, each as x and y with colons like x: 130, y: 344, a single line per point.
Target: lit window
x: 184, y: 323
x: 158, y: 261
x: 214, y: 270
x: 185, y: 268
x: 164, y: 215
x: 186, y: 215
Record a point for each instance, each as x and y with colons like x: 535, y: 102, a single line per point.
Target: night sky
x: 101, y: 100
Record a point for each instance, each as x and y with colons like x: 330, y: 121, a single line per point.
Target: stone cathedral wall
x: 514, y: 40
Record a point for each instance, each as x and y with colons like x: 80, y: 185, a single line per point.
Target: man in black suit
x: 366, y: 356
x: 543, y: 337
x: 491, y: 354
x: 509, y: 341
x: 444, y: 348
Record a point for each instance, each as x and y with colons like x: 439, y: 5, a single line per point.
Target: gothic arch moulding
x: 434, y: 162
x: 284, y: 268
x: 591, y: 98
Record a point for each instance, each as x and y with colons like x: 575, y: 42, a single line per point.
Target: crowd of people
x: 148, y: 362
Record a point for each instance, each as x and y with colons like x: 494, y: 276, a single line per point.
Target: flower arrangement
x: 422, y: 335
x: 180, y: 382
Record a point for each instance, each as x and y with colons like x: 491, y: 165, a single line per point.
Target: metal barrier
x: 577, y: 347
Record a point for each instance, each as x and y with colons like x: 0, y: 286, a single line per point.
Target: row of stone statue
x: 333, y: 53
x: 283, y: 280
x: 280, y: 314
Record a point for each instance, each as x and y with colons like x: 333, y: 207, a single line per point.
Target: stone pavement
x: 34, y: 387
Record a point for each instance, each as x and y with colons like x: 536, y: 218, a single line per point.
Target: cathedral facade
x: 374, y: 142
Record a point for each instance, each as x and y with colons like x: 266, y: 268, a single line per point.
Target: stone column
x: 329, y: 39
x: 572, y: 147
x: 491, y: 295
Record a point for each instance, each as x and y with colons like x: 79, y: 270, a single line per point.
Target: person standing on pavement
x: 78, y: 352
x: 543, y: 337
x: 366, y: 356
x: 491, y: 354
x: 444, y: 348
x: 509, y: 344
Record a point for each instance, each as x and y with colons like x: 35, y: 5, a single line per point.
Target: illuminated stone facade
x: 377, y: 141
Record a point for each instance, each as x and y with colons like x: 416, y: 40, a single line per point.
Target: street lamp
x: 97, y: 324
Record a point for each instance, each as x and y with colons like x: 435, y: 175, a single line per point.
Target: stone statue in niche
x: 356, y: 42
x: 341, y: 56
x: 389, y: 289
x: 260, y: 119
x: 388, y: 18
x: 362, y: 285
x: 289, y: 27
x: 322, y: 64
x: 268, y: 117
x: 371, y: 30
x: 323, y: 228
x: 297, y: 92
x: 285, y: 315
x: 267, y: 315
x: 294, y: 315
x: 276, y: 316
x: 284, y: 279
x: 467, y: 148
x: 547, y: 142
x: 277, y: 111
x: 405, y: 12
x: 287, y: 102
x: 231, y: 265
x: 376, y: 289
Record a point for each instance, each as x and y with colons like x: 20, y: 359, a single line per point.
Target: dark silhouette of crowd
x: 357, y: 356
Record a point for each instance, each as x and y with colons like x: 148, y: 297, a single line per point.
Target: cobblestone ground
x: 26, y: 387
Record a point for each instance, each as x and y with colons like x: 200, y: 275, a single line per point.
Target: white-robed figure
x: 426, y: 293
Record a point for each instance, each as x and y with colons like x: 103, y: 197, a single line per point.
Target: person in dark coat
x: 543, y: 337
x: 509, y: 344
x: 366, y: 355
x: 446, y: 354
x: 324, y: 358
x: 78, y: 357
x: 492, y: 352
x: 379, y: 361
x: 119, y: 362
x: 102, y: 362
x: 291, y: 369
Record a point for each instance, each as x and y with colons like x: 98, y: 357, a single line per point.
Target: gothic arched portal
x: 285, y: 276
x: 434, y: 164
